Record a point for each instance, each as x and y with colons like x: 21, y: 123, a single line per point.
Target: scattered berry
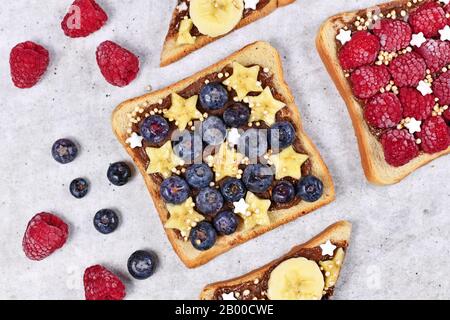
x: 434, y: 135
x: 415, y: 105
x: 64, y: 151
x: 281, y: 136
x: 368, y: 80
x: 214, y: 131
x: 399, y: 147
x: 394, y: 35
x: 258, y: 178
x: 253, y: 144
x: 187, y: 145
x: 141, y: 264
x: 102, y: 284
x: 106, y: 221
x: 209, y: 201
x: 361, y: 50
x: 199, y: 175
x: 84, y: 17
x: 429, y: 18
x: 310, y: 189
x: 175, y: 190
x: 203, y: 236
x: 283, y: 192
x: 119, y: 173
x: 226, y: 223
x: 155, y: 129
x: 236, y: 115
x: 441, y: 88
x: 233, y: 190
x: 79, y: 188
x: 383, y: 111
x: 213, y: 96
x: 407, y: 70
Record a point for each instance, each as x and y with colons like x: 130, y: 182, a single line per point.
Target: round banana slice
x: 296, y: 279
x: 216, y: 17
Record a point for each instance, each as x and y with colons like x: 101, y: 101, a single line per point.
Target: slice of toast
x: 376, y: 169
x: 257, y: 280
x: 172, y: 52
x: 258, y: 53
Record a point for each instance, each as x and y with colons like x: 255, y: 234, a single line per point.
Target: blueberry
x: 155, y: 129
x: 106, y: 221
x: 64, y: 151
x: 213, y: 96
x: 214, y: 131
x: 253, y: 144
x: 79, y: 188
x: 281, y: 136
x: 283, y: 192
x: 199, y: 175
x: 310, y: 189
x: 175, y: 190
x: 187, y: 146
x: 258, y: 177
x: 236, y: 115
x: 209, y: 201
x: 203, y: 236
x: 226, y: 223
x: 233, y: 190
x: 119, y: 173
x: 141, y: 264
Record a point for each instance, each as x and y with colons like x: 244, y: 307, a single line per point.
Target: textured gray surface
x: 400, y: 241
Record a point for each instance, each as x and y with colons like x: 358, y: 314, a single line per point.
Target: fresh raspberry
x: 394, y: 35
x: 361, y: 50
x: 84, y: 17
x: 368, y: 80
x: 28, y: 62
x: 383, y: 111
x: 408, y: 69
x: 436, y: 54
x: 102, y: 284
x: 399, y: 147
x: 434, y: 135
x: 415, y: 105
x: 447, y: 115
x: 429, y: 18
x: 441, y: 88
x: 44, y: 235
x: 118, y: 65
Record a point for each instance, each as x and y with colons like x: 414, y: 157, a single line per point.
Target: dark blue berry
x: 226, y: 223
x: 258, y: 177
x: 310, y: 189
x: 281, y: 136
x: 119, y: 173
x: 79, y: 188
x: 187, y: 146
x: 106, y: 221
x: 64, y: 151
x: 236, y: 115
x: 233, y: 190
x: 214, y: 131
x: 175, y: 190
x: 199, y: 175
x: 253, y: 144
x: 209, y: 201
x: 155, y: 129
x: 283, y: 192
x: 203, y: 237
x: 213, y: 96
x: 141, y: 264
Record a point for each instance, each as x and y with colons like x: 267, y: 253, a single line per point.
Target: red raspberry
x: 399, y: 147
x: 408, y: 69
x: 394, y: 35
x: 447, y: 115
x: 368, y: 80
x: 436, y: 54
x: 28, y: 62
x: 102, y: 284
x: 429, y: 18
x: 441, y: 88
x: 415, y: 105
x: 383, y: 111
x: 84, y: 17
x: 118, y: 65
x: 434, y: 135
x: 361, y: 50
x: 44, y: 235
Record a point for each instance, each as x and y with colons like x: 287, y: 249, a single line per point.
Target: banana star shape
x: 264, y: 107
x: 257, y: 213
x: 183, y: 217
x: 332, y: 268
x: 244, y: 80
x: 184, y: 33
x: 225, y: 162
x: 183, y: 111
x: 162, y: 160
x: 288, y: 163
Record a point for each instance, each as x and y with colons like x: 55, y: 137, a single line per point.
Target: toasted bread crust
x: 376, y: 169
x: 338, y: 233
x: 263, y: 54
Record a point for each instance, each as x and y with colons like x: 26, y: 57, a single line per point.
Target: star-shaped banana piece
x: 332, y: 268
x: 183, y: 217
x: 162, y: 160
x: 264, y: 107
x: 182, y: 111
x: 244, y: 80
x: 184, y: 33
x: 225, y: 162
x: 288, y: 163
x: 257, y: 213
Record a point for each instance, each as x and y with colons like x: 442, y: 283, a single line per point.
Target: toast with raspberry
x: 238, y: 185
x: 390, y: 64
x: 194, y: 24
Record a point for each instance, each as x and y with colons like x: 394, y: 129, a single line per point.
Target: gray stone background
x: 400, y: 245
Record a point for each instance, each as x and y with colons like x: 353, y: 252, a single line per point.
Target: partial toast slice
x: 376, y: 169
x: 125, y: 116
x: 172, y: 51
x: 256, y: 282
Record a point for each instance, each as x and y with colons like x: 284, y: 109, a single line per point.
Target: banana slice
x: 243, y: 80
x: 162, y: 160
x: 184, y: 33
x: 257, y: 213
x: 183, y: 217
x: 332, y: 268
x: 296, y: 279
x: 225, y: 162
x: 216, y: 17
x: 183, y: 111
x: 288, y: 163
x: 264, y: 107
